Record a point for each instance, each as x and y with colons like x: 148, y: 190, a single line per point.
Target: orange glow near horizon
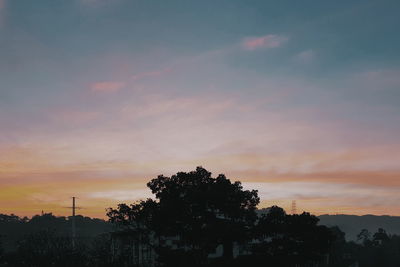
x: 28, y: 193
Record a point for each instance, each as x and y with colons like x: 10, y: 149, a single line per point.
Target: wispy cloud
x: 107, y: 86
x: 379, y: 78
x: 74, y: 117
x: 122, y: 195
x: 267, y: 41
x: 327, y: 197
x: 306, y: 56
x: 148, y: 74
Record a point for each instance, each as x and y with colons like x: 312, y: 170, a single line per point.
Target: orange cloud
x: 267, y: 41
x: 106, y: 87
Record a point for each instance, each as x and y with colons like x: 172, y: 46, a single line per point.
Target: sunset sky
x: 298, y: 99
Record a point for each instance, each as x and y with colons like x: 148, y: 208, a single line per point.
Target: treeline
x: 45, y: 246
x: 194, y: 220
x: 14, y: 228
x: 45, y: 240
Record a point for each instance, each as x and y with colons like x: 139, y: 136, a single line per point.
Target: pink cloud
x: 267, y: 41
x: 106, y: 87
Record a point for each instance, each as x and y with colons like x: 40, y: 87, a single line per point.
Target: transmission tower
x: 294, y: 207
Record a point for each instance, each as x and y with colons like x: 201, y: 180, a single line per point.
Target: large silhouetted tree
x: 200, y: 211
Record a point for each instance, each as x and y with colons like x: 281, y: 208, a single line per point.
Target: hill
x: 353, y: 224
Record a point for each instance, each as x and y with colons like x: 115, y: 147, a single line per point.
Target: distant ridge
x: 353, y: 224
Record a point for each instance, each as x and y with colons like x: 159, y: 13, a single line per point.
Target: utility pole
x: 73, y: 232
x: 73, y: 223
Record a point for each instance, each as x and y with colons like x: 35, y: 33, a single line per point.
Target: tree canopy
x: 202, y: 211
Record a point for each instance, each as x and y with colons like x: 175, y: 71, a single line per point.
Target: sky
x: 297, y: 99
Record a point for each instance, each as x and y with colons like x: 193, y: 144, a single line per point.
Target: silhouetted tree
x: 199, y: 211
x: 364, y: 236
x: 99, y: 252
x: 286, y: 240
x: 4, y: 218
x: 381, y: 250
x: 380, y: 236
x: 341, y: 253
x: 139, y: 221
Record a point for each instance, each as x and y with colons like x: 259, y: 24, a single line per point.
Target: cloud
x: 106, y: 87
x: 267, y: 41
x: 324, y: 190
x: 74, y: 117
x: 306, y: 56
x: 122, y: 195
x: 322, y: 198
x: 115, y: 86
x: 143, y: 75
x: 156, y: 106
x: 379, y: 79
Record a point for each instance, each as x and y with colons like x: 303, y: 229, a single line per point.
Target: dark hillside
x: 353, y: 224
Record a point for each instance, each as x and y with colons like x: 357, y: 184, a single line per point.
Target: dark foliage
x: 200, y: 213
x: 14, y: 228
x: 287, y: 240
x: 45, y: 240
x: 379, y: 249
x: 44, y: 249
